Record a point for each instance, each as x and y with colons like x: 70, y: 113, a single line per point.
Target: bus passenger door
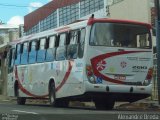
x: 10, y: 80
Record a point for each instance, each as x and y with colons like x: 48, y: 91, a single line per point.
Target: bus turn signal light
x: 90, y: 75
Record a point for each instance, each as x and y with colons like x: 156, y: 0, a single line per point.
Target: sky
x: 13, y: 11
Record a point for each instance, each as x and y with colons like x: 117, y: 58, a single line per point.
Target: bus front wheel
x: 20, y: 100
x: 52, y: 98
x: 52, y: 94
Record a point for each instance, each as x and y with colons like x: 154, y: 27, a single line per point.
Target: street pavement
x: 11, y: 111
x: 41, y: 110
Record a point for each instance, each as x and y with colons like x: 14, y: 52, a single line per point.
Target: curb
x: 139, y: 106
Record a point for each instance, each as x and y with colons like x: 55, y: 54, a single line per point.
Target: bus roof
x: 93, y: 20
x: 76, y: 25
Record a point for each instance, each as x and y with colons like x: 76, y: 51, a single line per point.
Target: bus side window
x: 32, y: 52
x: 61, y: 49
x: 81, y: 43
x: 24, y: 55
x: 41, y: 51
x: 142, y: 40
x: 72, y: 48
x: 50, y: 46
x: 11, y: 60
x: 17, y: 54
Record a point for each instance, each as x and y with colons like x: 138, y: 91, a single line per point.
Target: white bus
x: 99, y: 60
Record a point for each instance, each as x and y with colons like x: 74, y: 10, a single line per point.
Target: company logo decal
x: 112, y: 69
x: 99, y: 80
x: 139, y: 68
x: 144, y: 59
x: 98, y: 66
x: 101, y: 65
x: 123, y: 64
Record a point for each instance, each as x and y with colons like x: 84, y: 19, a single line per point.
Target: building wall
x: 8, y: 35
x: 34, y: 17
x: 138, y: 10
x: 67, y: 13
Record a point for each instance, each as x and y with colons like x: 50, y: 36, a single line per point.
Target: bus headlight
x: 91, y: 79
x: 90, y: 75
x: 146, y: 82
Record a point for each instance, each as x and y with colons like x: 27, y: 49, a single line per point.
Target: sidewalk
x: 140, y: 105
x: 4, y: 98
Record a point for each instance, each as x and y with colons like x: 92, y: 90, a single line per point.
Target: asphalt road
x: 11, y: 111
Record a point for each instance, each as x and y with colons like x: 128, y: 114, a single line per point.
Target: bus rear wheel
x: 104, y: 104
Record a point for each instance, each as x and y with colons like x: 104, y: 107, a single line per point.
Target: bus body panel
x: 10, y: 85
x: 129, y: 65
x: 35, y: 78
x: 112, y: 69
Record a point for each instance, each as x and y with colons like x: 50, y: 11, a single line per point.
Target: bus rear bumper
x: 118, y: 92
x: 118, y: 97
x: 118, y: 88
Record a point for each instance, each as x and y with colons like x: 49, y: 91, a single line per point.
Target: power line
x: 12, y: 5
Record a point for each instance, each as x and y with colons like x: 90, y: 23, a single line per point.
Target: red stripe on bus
x: 65, y: 77
x: 97, y: 59
x: 57, y: 88
x: 64, y: 29
x: 91, y: 21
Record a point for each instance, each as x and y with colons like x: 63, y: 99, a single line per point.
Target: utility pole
x: 157, y: 5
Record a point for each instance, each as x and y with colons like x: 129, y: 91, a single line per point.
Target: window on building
x: 90, y: 6
x: 68, y: 14
x: 49, y: 22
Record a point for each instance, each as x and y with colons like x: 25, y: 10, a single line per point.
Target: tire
x: 52, y: 94
x: 20, y: 100
x: 104, y: 104
x: 52, y: 98
x: 62, y: 103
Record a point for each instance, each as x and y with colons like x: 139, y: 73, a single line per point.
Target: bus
x: 99, y: 59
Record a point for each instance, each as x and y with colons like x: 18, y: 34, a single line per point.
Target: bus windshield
x: 120, y: 35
